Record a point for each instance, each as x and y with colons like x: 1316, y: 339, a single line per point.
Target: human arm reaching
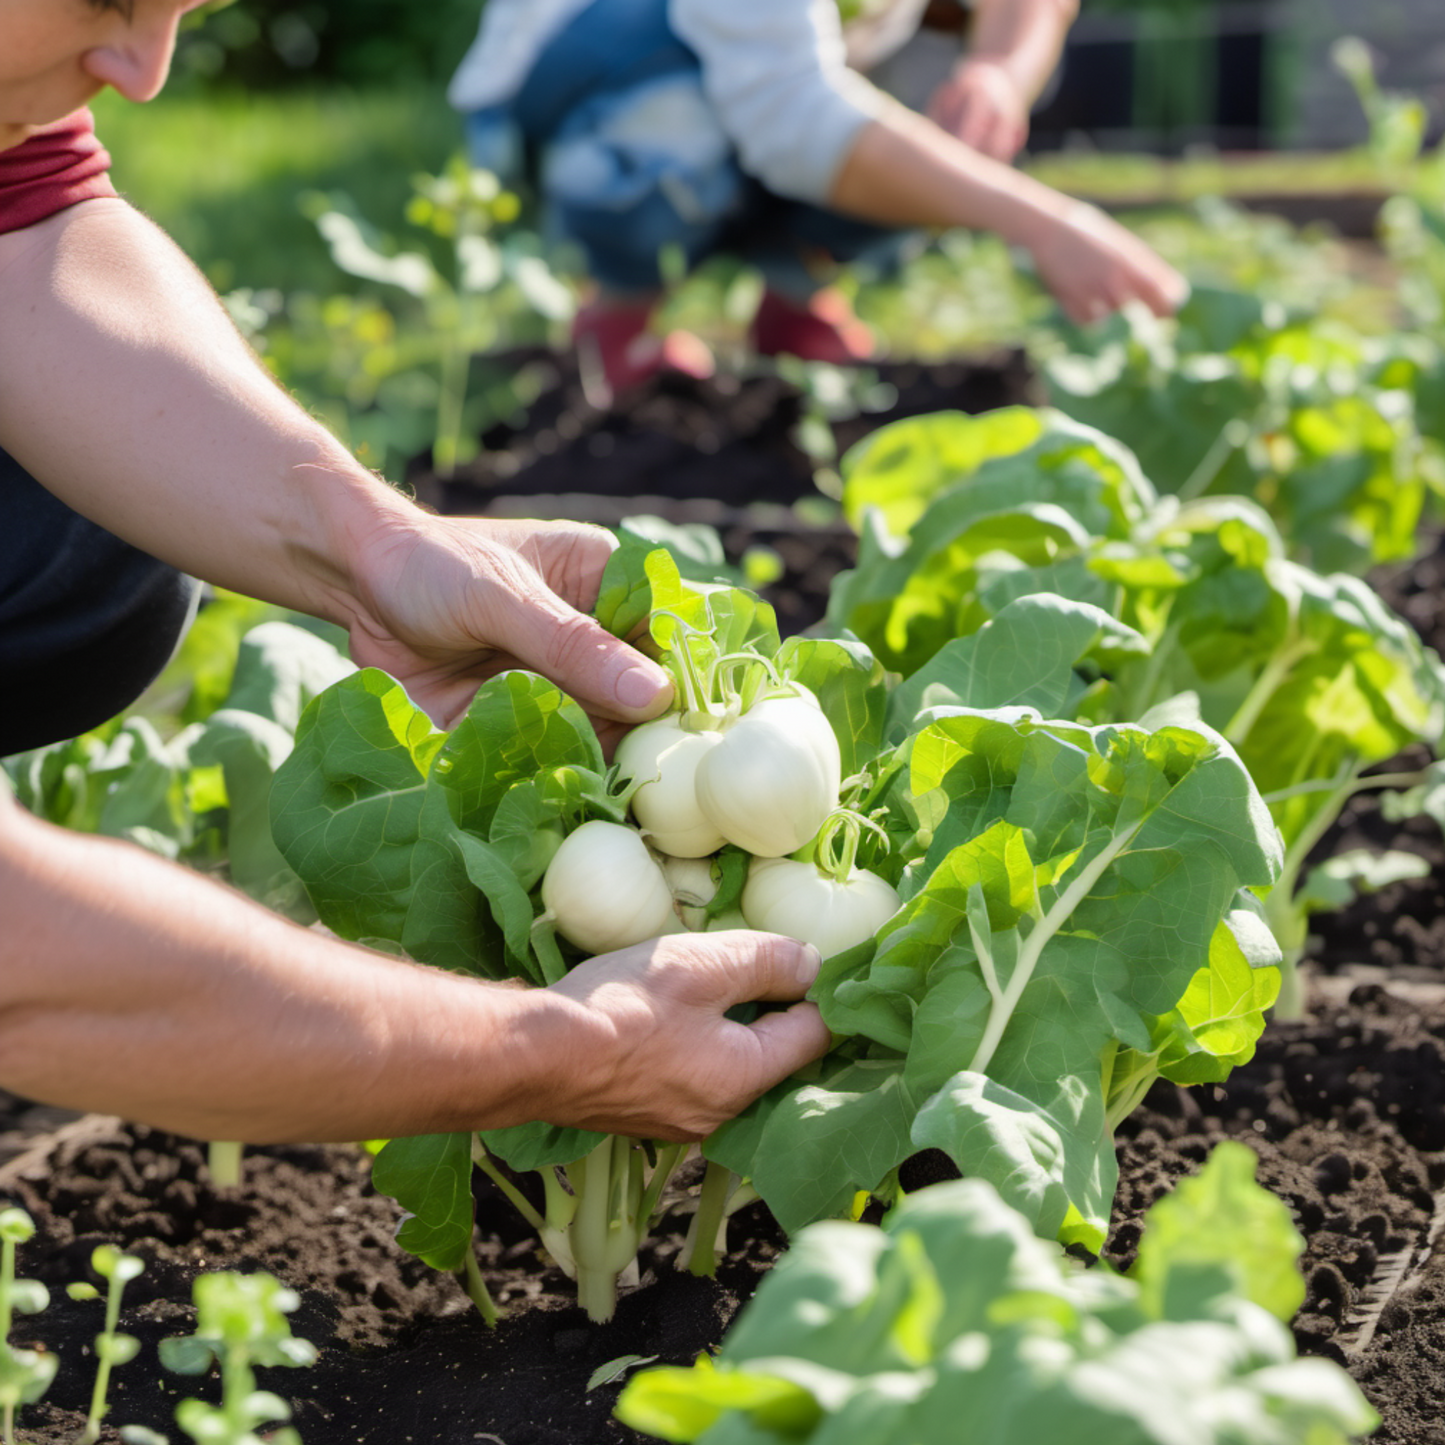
x: 126, y: 391
x: 1014, y: 49
x: 131, y: 986
x: 902, y: 170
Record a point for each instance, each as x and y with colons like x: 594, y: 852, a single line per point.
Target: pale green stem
x: 593, y: 1229
x: 515, y: 1197
x: 696, y: 694
x: 102, y: 1370
x: 223, y: 1163
x: 1031, y: 950
x: 456, y: 364
x: 7, y: 1279
x: 1360, y: 785
x: 1154, y: 669
x: 717, y: 1184
x: 476, y: 1288
x: 1287, y: 921
x: 668, y: 1159
x: 1265, y: 686
x: 741, y: 1197
x: 1132, y: 1097
x: 237, y: 1383
x: 1232, y: 435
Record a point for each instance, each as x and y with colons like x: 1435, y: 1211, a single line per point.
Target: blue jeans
x: 630, y: 161
x: 87, y: 621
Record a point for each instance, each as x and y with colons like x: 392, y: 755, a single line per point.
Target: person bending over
x: 746, y: 127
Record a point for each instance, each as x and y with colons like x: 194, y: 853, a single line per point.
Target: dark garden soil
x: 723, y: 452
x: 1345, y: 1109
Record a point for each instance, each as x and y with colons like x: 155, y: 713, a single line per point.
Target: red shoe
x: 616, y: 342
x: 824, y: 328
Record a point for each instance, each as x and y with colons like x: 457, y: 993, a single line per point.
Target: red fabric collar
x: 55, y: 167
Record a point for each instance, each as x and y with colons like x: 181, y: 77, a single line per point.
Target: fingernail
x: 812, y: 962
x: 639, y: 687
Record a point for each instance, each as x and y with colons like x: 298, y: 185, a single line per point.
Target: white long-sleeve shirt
x: 774, y: 71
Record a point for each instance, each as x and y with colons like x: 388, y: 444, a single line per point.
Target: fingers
x: 534, y: 624
x: 719, y: 970
x: 1097, y: 267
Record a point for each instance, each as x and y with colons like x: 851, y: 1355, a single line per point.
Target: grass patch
x: 223, y: 173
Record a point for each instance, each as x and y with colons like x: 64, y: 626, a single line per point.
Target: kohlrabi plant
x: 1189, y: 612
x: 1234, y: 396
x: 953, y: 1321
x: 1022, y: 921
x: 26, y: 1373
x: 474, y: 280
x: 536, y: 855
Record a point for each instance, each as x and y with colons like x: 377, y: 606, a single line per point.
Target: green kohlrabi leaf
x: 639, y: 577
x: 279, y: 669
x: 1218, y: 1234
x: 387, y: 822
x: 518, y: 725
x: 526, y: 1147
x: 1028, y: 655
x: 249, y: 748
x: 347, y: 815
x: 1026, y: 519
x: 430, y: 1176
x: 1217, y: 1023
x: 900, y: 468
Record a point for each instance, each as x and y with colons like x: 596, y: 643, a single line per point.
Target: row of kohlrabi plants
x: 1025, y: 917
x: 1310, y: 677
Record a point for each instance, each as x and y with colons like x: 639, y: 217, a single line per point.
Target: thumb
x: 576, y: 652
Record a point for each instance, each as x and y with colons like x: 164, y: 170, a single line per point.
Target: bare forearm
x: 126, y: 391
x: 904, y: 171
x: 1025, y: 37
x: 130, y: 986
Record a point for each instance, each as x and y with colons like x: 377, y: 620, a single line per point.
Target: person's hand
x: 669, y: 1064
x: 982, y: 105
x: 447, y: 603
x: 1094, y: 266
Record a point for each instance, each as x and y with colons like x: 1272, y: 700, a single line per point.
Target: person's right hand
x: 655, y: 1057
x: 1093, y: 266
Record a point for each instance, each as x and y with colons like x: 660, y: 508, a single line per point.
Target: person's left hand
x: 447, y: 603
x: 981, y: 105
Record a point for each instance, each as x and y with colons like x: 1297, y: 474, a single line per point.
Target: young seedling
x: 112, y: 1347
x: 25, y: 1375
x: 240, y: 1323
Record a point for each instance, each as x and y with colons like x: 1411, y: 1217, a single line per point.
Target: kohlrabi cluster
x: 1023, y: 922
x: 747, y: 761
